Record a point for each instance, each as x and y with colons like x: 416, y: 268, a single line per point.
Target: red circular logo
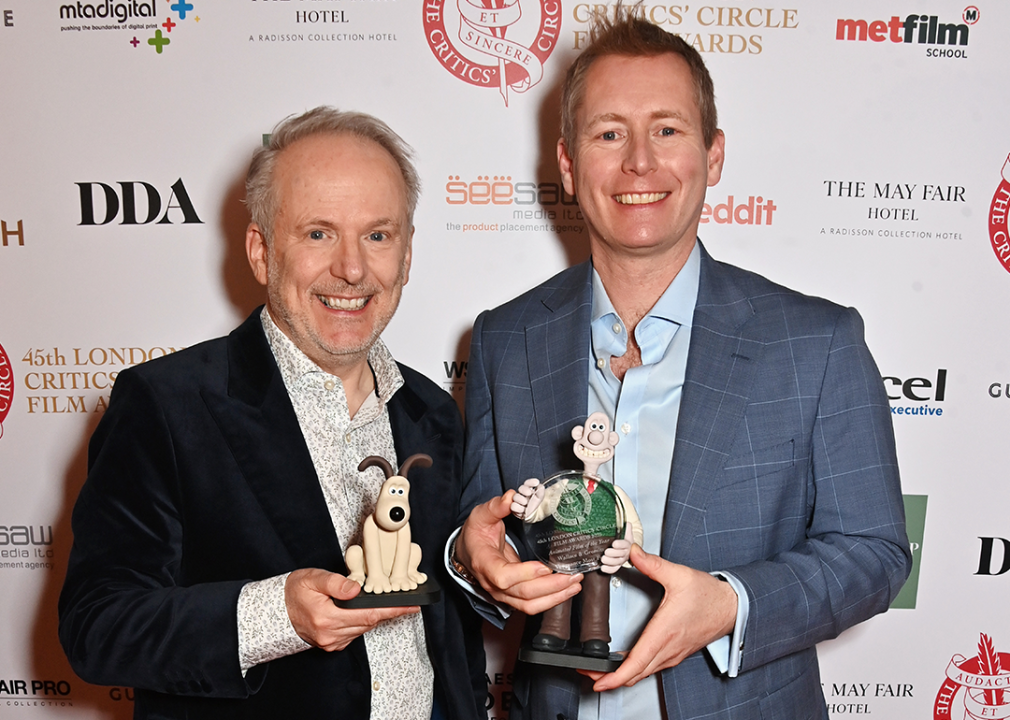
x: 6, y: 387
x: 998, y: 232
x: 979, y: 684
x: 499, y: 44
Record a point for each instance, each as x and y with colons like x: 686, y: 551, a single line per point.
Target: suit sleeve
x: 855, y: 556
x: 125, y: 619
x: 481, y: 476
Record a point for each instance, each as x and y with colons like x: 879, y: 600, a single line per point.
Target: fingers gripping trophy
x: 576, y: 522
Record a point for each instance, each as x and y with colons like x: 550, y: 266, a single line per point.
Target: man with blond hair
x: 755, y: 433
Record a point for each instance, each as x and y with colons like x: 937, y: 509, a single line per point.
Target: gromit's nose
x: 397, y: 514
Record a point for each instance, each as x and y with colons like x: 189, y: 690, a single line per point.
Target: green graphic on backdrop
x: 915, y: 525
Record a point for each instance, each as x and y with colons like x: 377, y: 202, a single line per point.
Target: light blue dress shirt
x: 644, y: 409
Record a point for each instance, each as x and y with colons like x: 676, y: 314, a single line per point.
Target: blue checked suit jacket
x: 784, y: 472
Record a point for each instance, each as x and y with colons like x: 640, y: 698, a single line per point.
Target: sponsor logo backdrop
x: 867, y: 162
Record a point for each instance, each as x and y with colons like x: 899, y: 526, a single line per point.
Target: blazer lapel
x: 722, y: 363
x: 433, y: 491
x: 260, y: 426
x: 557, y: 356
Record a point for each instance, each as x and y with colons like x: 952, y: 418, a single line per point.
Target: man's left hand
x: 697, y: 609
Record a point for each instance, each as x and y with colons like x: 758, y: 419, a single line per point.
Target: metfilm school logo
x: 145, y: 26
x: 493, y: 43
x: 979, y: 685
x: 943, y: 39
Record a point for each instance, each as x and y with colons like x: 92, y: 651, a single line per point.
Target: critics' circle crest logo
x: 999, y: 235
x: 500, y: 44
x: 979, y: 684
x: 6, y: 388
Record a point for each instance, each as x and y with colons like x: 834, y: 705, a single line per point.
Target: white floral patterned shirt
x: 402, y: 676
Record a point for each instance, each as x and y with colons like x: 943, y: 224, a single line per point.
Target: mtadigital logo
x: 6, y: 388
x: 999, y: 233
x: 126, y: 199
x: 919, y: 390
x: 138, y: 15
x: 469, y: 39
x: 979, y: 684
x: 914, y: 29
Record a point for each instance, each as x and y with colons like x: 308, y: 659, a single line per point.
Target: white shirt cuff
x: 265, y: 632
x: 727, y: 651
x: 476, y: 590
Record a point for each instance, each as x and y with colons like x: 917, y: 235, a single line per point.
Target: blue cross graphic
x: 182, y: 7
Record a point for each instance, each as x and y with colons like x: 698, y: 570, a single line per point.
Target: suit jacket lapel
x: 557, y: 356
x: 431, y: 489
x: 721, y: 365
x: 261, y: 428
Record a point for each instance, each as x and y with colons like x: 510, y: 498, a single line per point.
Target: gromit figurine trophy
x: 575, y: 522
x: 386, y: 563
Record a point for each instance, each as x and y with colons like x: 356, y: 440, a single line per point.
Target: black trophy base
x: 570, y: 658
x: 427, y: 593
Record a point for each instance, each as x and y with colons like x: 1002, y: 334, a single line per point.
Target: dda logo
x: 979, y: 684
x: 468, y: 37
x: 6, y: 388
x: 131, y: 196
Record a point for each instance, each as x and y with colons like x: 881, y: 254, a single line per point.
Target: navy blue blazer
x: 200, y: 481
x: 784, y: 472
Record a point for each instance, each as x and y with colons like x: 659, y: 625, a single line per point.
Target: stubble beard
x: 305, y: 335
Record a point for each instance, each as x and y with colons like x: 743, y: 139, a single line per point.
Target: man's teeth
x: 343, y: 304
x: 588, y: 452
x: 640, y: 198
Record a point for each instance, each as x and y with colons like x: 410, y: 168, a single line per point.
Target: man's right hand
x: 309, y: 594
x: 529, y: 587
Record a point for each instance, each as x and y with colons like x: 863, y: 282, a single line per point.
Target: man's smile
x: 337, y: 303
x: 640, y: 198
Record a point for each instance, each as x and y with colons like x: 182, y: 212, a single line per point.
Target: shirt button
x: 601, y: 363
x: 347, y: 438
x: 616, y: 582
x: 376, y: 686
x: 625, y: 428
x: 329, y: 384
x: 617, y: 328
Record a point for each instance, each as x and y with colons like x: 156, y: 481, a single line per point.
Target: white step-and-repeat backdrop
x: 867, y: 161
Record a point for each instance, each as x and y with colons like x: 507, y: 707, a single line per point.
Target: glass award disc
x: 571, y: 519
